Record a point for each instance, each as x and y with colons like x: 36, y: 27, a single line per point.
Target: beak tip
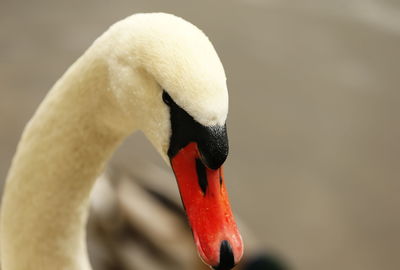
x: 226, y: 257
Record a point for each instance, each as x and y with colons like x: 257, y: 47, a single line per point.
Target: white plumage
x: 112, y: 90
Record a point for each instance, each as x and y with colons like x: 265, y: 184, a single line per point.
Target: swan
x: 156, y: 73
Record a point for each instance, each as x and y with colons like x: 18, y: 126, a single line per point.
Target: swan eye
x: 166, y: 98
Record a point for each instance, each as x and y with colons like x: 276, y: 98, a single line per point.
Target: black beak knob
x: 213, y: 146
x: 212, y: 141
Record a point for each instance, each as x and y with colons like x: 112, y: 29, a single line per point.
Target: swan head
x: 167, y: 75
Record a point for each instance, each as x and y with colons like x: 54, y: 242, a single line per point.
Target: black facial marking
x: 220, y: 178
x: 226, y: 258
x: 202, y: 175
x: 212, y: 141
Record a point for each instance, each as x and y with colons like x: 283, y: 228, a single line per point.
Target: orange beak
x: 205, y: 199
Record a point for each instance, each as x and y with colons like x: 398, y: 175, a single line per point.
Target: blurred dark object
x: 264, y: 262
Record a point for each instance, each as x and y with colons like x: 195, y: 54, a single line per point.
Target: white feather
x: 112, y: 90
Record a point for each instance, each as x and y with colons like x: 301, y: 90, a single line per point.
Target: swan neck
x: 63, y: 149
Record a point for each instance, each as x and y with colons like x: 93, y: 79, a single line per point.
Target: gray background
x: 314, y: 112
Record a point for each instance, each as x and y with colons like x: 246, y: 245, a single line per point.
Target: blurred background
x: 314, y: 129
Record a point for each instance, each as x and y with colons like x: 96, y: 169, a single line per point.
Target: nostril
x: 201, y: 175
x: 226, y: 258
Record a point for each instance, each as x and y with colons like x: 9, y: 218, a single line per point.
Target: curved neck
x: 62, y: 150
